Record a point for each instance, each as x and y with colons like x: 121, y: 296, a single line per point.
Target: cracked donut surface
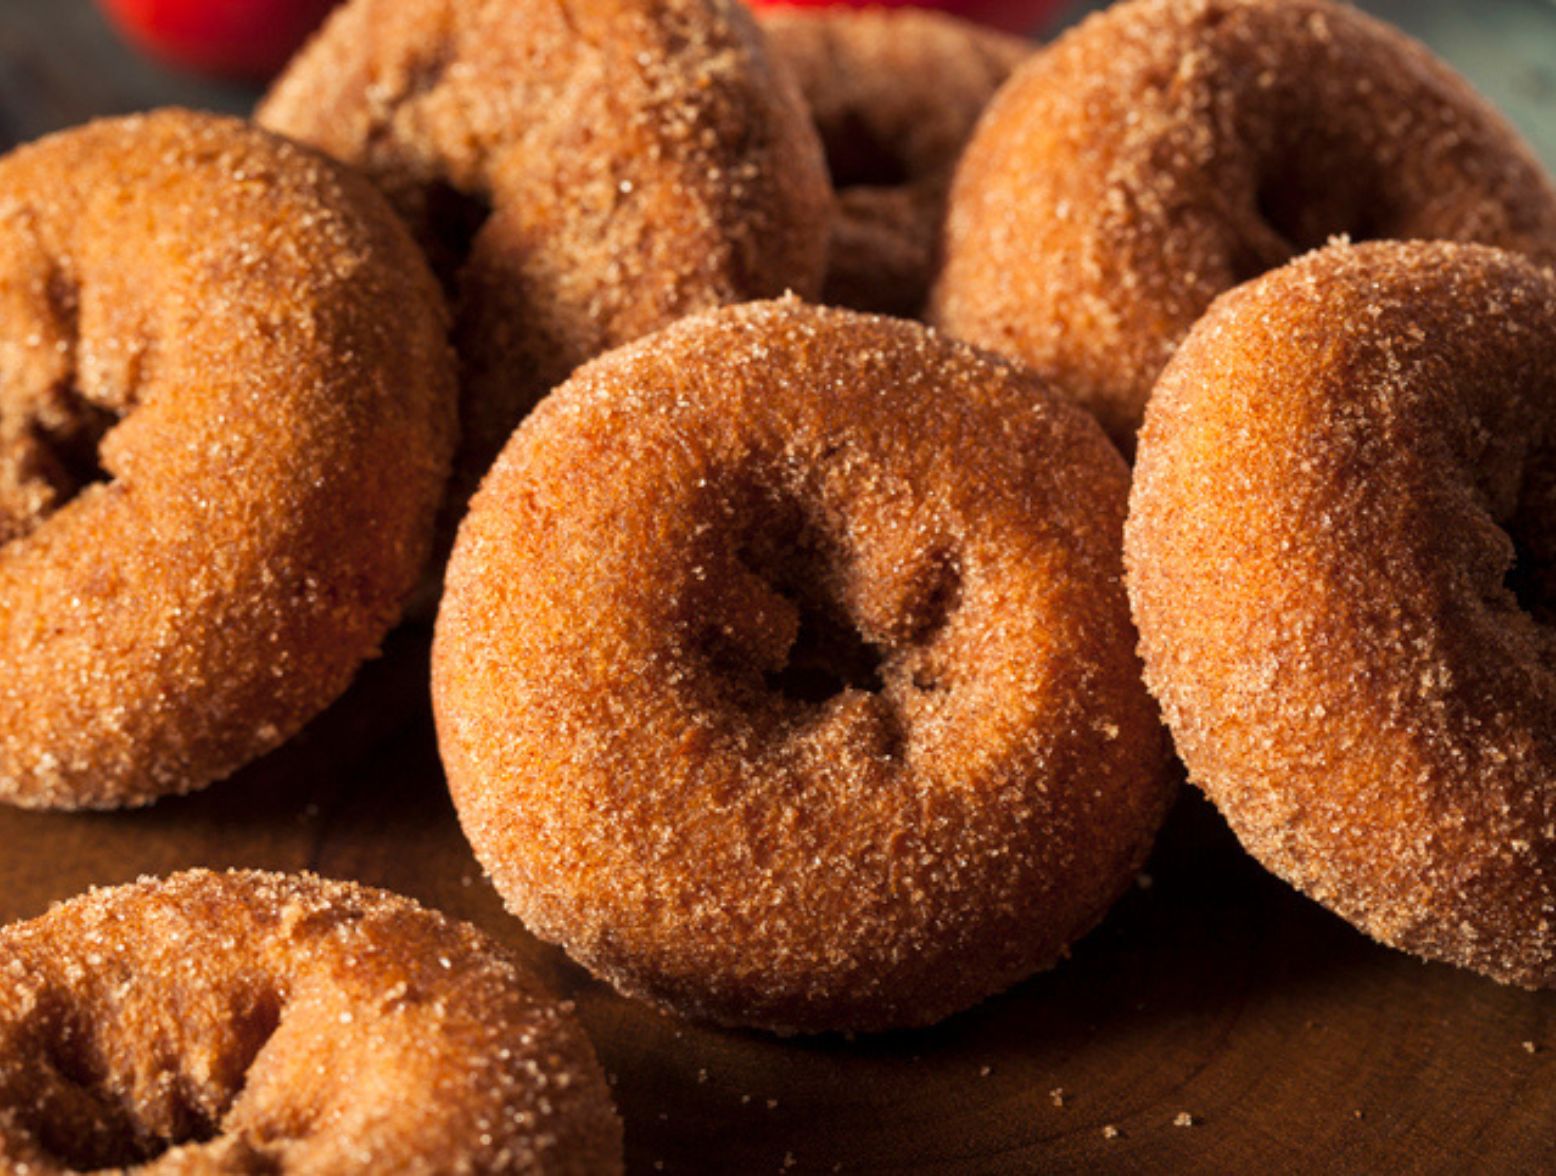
x: 1342, y: 559
x: 1166, y: 150
x: 581, y: 173
x: 262, y: 1023
x: 812, y: 702
x: 226, y: 420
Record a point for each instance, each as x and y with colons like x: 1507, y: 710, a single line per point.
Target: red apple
x: 1015, y: 16
x: 230, y: 38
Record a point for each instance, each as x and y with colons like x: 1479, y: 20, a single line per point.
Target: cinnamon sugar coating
x: 226, y: 419
x: 785, y: 675
x: 894, y: 93
x: 1166, y: 150
x: 1342, y: 558
x: 582, y: 172
x: 262, y: 1023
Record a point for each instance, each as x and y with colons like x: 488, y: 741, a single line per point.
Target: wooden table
x: 1292, y: 1043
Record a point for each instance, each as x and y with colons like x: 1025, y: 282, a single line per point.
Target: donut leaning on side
x: 1167, y: 150
x: 255, y: 1022
x: 785, y: 675
x: 227, y: 411
x: 1342, y: 560
x: 580, y: 174
x: 894, y: 93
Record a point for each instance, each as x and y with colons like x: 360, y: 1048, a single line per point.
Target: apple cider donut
x: 226, y: 418
x: 894, y: 93
x: 1166, y: 150
x: 582, y: 173
x: 1342, y: 558
x: 785, y: 677
x: 253, y: 1022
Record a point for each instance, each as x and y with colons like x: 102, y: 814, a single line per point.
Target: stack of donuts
x: 839, y: 498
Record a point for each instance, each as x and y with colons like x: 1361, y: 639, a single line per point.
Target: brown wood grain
x: 1293, y: 1043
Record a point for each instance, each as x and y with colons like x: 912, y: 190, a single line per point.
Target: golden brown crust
x: 640, y: 158
x: 1168, y: 149
x: 261, y: 1023
x: 656, y: 684
x: 262, y: 352
x: 1335, y: 474
x: 894, y: 93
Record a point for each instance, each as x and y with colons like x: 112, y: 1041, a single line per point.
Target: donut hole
x: 49, y: 454
x: 860, y: 156
x: 828, y: 657
x: 1531, y: 577
x: 1530, y: 580
x: 789, y: 631
x: 829, y: 654
x: 1305, y: 211
x: 74, y: 444
x: 1310, y: 186
x: 92, y: 1115
x: 78, y: 1123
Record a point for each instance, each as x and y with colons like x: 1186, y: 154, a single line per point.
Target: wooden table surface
x: 1292, y: 1042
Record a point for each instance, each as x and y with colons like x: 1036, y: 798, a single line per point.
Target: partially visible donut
x: 785, y: 677
x: 1342, y: 558
x: 1167, y: 150
x: 226, y: 418
x: 894, y: 93
x: 582, y: 173
x: 252, y: 1022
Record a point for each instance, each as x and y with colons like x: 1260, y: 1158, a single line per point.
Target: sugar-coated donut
x: 894, y: 93
x: 253, y: 1022
x: 227, y: 410
x: 1342, y: 558
x: 639, y: 160
x: 1167, y: 150
x: 785, y: 676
